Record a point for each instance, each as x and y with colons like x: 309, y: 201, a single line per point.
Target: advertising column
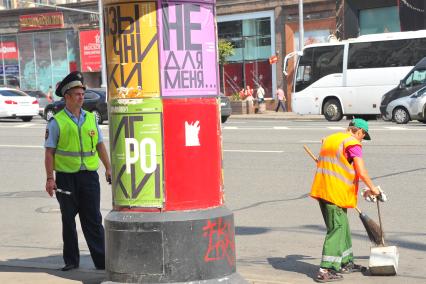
x: 169, y: 223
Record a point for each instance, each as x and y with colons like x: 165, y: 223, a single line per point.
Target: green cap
x: 361, y: 123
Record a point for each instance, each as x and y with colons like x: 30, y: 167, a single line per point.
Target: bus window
x: 389, y: 53
x: 327, y: 60
x: 304, y: 70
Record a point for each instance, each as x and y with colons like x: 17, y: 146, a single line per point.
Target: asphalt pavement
x: 279, y: 230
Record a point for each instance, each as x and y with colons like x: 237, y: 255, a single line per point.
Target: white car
x: 408, y: 108
x: 17, y: 104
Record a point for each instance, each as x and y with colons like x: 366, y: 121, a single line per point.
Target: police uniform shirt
x: 52, y: 131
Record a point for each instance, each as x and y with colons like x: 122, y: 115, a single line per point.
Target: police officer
x: 73, y: 146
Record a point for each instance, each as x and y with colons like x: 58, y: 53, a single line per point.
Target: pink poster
x: 188, y: 50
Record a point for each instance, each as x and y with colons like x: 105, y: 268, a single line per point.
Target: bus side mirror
x: 402, y: 84
x: 287, y: 58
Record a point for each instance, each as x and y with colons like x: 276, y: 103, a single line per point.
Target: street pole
x: 103, y: 61
x: 301, y: 31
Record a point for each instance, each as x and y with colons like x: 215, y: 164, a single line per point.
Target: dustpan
x: 383, y: 259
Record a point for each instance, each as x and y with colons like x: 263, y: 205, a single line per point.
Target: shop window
x: 43, y: 61
x: 379, y: 20
x: 228, y: 30
x: 9, y: 66
x: 59, y: 56
x: 27, y: 62
x: 71, y: 45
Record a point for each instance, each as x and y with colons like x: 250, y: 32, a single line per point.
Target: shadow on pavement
x: 49, y: 267
x: 294, y: 263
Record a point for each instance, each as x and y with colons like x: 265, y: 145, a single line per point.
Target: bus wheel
x: 400, y: 115
x: 332, y: 110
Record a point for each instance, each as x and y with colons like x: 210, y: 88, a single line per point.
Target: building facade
x: 40, y: 46
x: 262, y: 30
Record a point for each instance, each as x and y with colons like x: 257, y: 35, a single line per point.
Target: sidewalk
x: 270, y: 114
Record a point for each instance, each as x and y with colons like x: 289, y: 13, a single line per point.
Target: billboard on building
x: 9, y: 50
x: 90, y: 51
x: 44, y: 21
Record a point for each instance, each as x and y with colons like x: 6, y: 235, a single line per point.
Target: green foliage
x: 226, y: 49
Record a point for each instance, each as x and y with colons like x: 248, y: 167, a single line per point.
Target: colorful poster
x: 136, y: 152
x: 9, y: 50
x: 90, y: 51
x: 132, y: 50
x: 188, y: 50
x: 192, y: 153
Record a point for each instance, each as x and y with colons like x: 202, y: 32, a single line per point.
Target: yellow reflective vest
x: 76, y: 145
x: 335, y: 179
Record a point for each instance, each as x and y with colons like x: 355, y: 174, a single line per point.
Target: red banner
x: 9, y: 50
x: 41, y: 21
x: 192, y: 154
x: 273, y: 59
x: 90, y: 51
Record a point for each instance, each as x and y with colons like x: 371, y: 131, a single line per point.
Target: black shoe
x: 352, y: 267
x: 100, y: 267
x: 69, y: 267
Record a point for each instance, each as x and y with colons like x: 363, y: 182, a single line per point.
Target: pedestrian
x: 73, y: 146
x: 49, y: 94
x: 339, y: 167
x: 260, y: 93
x: 281, y: 100
x: 249, y: 91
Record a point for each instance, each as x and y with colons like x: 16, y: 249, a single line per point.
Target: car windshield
x: 36, y: 94
x: 12, y: 93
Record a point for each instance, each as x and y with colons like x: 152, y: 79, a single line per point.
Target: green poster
x: 136, y: 144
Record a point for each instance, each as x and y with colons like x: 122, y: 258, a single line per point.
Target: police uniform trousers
x: 337, y: 249
x: 84, y: 200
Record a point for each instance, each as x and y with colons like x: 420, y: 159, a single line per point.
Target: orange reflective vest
x: 335, y: 179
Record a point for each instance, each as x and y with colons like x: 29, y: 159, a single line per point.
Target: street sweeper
x: 340, y: 165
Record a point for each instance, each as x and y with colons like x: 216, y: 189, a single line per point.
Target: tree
x: 225, y: 49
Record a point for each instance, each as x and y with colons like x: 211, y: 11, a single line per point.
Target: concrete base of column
x: 171, y: 247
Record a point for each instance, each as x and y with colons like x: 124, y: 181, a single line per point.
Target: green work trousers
x: 337, y: 249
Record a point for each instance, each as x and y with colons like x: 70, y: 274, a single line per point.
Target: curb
x: 277, y: 116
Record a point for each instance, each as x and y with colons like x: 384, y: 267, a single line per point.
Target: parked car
x: 17, y: 104
x: 94, y: 101
x: 408, y: 108
x: 42, y: 99
x: 225, y: 107
x: 413, y: 81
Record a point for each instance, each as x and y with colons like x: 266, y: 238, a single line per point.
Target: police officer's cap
x: 72, y: 80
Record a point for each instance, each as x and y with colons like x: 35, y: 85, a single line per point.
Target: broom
x: 374, y: 231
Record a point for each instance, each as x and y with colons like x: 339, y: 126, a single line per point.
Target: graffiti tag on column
x: 188, y: 48
x: 221, y: 241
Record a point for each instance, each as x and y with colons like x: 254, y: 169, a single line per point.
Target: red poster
x: 9, y: 50
x: 192, y: 154
x: 90, y: 51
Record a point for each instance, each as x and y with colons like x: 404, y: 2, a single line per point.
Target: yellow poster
x: 131, y: 37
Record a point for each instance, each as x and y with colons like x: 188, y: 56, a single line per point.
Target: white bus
x: 350, y: 77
